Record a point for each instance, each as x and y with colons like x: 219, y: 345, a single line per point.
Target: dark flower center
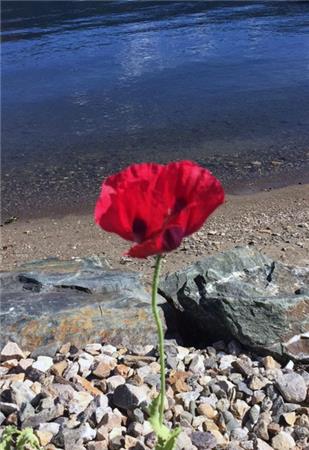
x: 139, y: 229
x: 172, y: 238
x: 179, y: 205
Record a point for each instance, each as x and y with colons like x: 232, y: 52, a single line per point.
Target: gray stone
x: 51, y: 427
x: 138, y: 415
x: 266, y: 404
x: 21, y: 393
x: 254, y: 413
x: 101, y: 407
x: 230, y: 422
x: 44, y: 416
x: 302, y: 432
x: 45, y: 303
x: 183, y: 441
x: 26, y: 412
x: 226, y: 362
x: 243, y: 295
x: 70, y: 439
x: 71, y: 371
x: 87, y: 433
x: 115, y: 381
x: 65, y: 392
x: 187, y: 397
x: 153, y: 379
x: 242, y: 387
x: 278, y: 407
x: 292, y: 387
x: 239, y: 434
x: 197, y: 364
x: 203, y: 440
x: 261, y: 429
x: 128, y: 396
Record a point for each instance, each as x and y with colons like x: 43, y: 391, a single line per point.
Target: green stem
x: 156, y: 314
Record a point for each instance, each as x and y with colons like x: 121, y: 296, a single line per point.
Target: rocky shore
x: 83, y: 389
x: 96, y: 398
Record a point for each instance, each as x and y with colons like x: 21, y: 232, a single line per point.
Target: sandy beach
x: 275, y: 222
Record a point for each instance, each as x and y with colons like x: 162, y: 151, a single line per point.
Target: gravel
x: 240, y: 401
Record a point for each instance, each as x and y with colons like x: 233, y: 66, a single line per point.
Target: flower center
x: 139, y: 229
x: 179, y: 205
x: 172, y: 238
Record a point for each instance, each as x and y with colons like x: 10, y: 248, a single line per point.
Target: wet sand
x: 54, y: 185
x: 275, y: 222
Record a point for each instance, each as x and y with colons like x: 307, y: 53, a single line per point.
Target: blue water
x: 126, y: 80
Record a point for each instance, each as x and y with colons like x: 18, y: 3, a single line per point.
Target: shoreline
x: 43, y: 195
x: 276, y: 222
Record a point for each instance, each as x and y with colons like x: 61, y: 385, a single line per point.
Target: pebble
x: 289, y: 418
x: 270, y: 363
x: 239, y: 408
x: 103, y: 370
x: 226, y: 361
x: 292, y: 387
x: 49, y: 427
x: 79, y: 402
x: 258, y: 382
x: 203, y: 440
x: 283, y: 441
x: 243, y: 367
x: 114, y: 381
x: 183, y: 442
x: 262, y: 445
x: 239, y: 434
x: 93, y: 349
x: 254, y: 413
x: 207, y: 410
x: 43, y: 363
x: 21, y: 393
x: 11, y: 351
x: 197, y: 364
x: 97, y: 445
x: 59, y: 367
x: 2, y: 418
x: 261, y: 429
x: 128, y: 396
x: 44, y: 437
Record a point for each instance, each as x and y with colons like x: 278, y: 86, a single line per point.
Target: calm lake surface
x: 89, y: 86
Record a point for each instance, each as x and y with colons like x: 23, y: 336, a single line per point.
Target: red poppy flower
x: 157, y: 205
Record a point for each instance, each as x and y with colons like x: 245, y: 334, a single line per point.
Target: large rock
x: 46, y: 303
x: 245, y: 295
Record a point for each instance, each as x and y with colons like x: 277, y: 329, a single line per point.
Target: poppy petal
x: 131, y: 197
x: 198, y: 194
